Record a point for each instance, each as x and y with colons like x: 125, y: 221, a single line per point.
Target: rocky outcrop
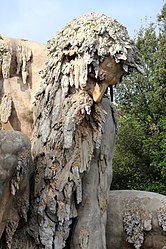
x: 136, y: 219
x: 74, y: 130
x: 20, y: 63
x: 15, y: 171
x: 68, y: 204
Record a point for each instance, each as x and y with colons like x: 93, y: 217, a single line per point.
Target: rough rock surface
x: 84, y: 59
x: 136, y: 219
x: 73, y: 133
x: 15, y: 171
x: 89, y: 228
x: 20, y: 63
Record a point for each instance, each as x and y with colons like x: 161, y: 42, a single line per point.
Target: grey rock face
x: 90, y: 227
x: 73, y: 133
x: 136, y: 219
x: 71, y: 126
x: 15, y: 170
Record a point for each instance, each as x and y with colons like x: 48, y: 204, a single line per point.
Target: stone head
x: 90, y: 53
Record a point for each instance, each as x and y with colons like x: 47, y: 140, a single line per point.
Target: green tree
x: 140, y: 155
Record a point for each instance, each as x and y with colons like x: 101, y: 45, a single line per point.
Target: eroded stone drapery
x: 5, y: 108
x: 89, y: 228
x: 69, y: 125
x: 64, y: 161
x: 15, y: 62
x: 27, y: 59
x: 15, y: 59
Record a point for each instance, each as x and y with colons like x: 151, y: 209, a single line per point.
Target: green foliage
x: 140, y: 155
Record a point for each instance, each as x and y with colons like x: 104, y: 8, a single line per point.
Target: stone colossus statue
x: 74, y: 131
x: 64, y: 201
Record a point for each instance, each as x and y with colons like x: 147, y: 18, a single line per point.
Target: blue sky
x: 39, y: 20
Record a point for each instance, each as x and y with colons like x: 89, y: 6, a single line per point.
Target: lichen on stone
x: 161, y: 215
x: 134, y: 229
x: 136, y: 221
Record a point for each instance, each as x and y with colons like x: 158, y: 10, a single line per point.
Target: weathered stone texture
x: 136, y: 219
x: 89, y: 229
x: 20, y: 63
x: 84, y: 59
x: 73, y: 133
x: 15, y: 170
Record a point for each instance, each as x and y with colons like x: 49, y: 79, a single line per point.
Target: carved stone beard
x: 64, y: 160
x: 70, y: 149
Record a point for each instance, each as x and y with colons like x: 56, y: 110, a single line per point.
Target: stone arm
x: 15, y: 171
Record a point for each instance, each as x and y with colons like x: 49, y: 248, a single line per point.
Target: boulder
x: 136, y: 219
x: 15, y: 171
